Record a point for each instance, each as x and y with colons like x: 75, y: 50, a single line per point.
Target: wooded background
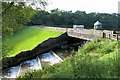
x: 18, y: 16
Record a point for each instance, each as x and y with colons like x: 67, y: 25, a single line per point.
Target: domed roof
x: 97, y: 23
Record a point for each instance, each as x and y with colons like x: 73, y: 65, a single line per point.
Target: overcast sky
x: 101, y: 6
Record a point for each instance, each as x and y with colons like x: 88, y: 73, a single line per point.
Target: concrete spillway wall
x: 87, y: 34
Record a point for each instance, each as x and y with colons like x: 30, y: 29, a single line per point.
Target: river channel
x: 46, y: 59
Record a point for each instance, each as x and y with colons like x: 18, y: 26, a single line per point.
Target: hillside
x: 96, y: 59
x: 26, y: 39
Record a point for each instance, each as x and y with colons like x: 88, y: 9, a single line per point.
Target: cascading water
x: 30, y: 65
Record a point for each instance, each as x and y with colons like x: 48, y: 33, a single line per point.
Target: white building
x: 98, y: 25
x: 78, y: 26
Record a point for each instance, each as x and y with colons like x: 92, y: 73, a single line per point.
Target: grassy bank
x: 96, y: 59
x: 26, y: 39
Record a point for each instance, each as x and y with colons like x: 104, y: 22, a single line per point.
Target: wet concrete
x: 49, y: 58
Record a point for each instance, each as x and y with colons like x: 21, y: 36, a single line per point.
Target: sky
x: 101, y: 6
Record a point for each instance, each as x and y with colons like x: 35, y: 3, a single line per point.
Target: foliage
x: 96, y: 59
x: 38, y: 4
x: 26, y: 39
x: 14, y: 16
x: 67, y: 18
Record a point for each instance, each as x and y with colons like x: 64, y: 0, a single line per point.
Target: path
x: 87, y: 34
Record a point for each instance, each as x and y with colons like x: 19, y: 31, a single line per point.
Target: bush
x: 96, y: 59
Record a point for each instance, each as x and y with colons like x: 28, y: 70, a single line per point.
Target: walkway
x: 87, y: 34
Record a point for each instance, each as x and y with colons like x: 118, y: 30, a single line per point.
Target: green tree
x: 67, y: 18
x: 14, y: 17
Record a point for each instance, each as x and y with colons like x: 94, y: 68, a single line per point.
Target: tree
x: 38, y: 4
x: 67, y: 18
x: 40, y: 18
x: 14, y: 17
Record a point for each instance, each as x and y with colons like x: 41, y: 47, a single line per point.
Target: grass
x: 26, y: 39
x: 96, y: 59
x: 0, y: 47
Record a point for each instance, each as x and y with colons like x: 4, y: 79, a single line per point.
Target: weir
x: 30, y: 65
x: 43, y: 55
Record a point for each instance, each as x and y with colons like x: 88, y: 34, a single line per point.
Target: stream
x: 57, y: 50
x: 46, y: 59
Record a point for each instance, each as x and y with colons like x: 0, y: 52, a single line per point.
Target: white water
x: 30, y: 65
x: 11, y: 72
x: 50, y: 58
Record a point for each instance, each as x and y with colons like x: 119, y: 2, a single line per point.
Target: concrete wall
x: 88, y: 34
